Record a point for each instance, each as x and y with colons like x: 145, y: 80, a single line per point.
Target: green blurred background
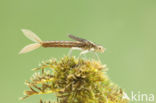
x: 127, y: 28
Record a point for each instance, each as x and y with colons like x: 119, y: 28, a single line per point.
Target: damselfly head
x: 100, y: 49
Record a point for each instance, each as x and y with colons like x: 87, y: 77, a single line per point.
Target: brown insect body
x: 78, y: 43
x: 68, y: 44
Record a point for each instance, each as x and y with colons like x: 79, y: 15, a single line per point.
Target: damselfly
x: 79, y: 43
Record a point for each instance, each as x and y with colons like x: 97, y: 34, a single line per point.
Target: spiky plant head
x: 75, y: 80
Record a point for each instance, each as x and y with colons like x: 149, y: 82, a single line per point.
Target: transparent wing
x: 77, y: 38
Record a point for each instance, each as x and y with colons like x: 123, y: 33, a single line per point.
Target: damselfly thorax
x: 79, y: 43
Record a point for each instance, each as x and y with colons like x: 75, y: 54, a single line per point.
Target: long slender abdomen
x: 63, y: 44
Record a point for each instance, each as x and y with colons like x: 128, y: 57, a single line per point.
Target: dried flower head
x: 74, y: 81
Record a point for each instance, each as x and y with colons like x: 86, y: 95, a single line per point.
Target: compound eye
x: 100, y: 48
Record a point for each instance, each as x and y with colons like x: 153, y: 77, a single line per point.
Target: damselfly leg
x: 73, y: 48
x: 97, y: 56
x: 84, y: 52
